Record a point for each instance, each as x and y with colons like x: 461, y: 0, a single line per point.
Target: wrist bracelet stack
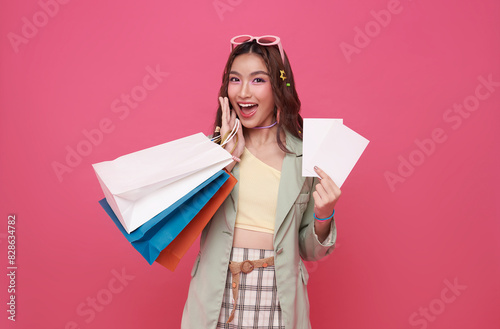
x: 325, y: 219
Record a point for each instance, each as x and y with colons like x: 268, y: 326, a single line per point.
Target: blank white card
x: 331, y: 146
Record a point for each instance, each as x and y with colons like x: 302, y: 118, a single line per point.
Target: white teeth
x: 246, y: 105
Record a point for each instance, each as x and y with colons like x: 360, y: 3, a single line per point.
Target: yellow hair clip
x: 283, y: 76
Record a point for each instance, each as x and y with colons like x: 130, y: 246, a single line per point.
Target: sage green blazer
x: 294, y: 238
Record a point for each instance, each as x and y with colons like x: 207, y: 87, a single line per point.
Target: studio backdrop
x: 83, y: 82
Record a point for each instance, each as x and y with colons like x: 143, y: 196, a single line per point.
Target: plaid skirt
x: 258, y: 305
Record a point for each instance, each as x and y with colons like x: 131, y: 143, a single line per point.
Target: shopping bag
x: 139, y: 185
x: 157, y: 233
x: 172, y: 254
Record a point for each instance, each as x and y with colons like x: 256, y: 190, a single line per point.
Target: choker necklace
x: 271, y: 125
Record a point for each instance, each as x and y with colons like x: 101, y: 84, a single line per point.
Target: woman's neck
x: 259, y: 137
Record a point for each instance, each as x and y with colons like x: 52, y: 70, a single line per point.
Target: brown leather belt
x: 246, y: 266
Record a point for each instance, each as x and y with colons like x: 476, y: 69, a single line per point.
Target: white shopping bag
x: 140, y: 185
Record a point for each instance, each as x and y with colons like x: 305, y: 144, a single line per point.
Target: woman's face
x: 250, y: 91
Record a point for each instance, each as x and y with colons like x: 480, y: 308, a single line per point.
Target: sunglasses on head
x: 265, y: 40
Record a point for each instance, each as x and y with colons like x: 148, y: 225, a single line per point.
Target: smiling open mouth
x: 247, y: 110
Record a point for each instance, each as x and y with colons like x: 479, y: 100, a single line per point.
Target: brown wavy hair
x: 285, y: 97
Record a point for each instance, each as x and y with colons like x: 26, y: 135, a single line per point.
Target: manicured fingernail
x: 316, y: 168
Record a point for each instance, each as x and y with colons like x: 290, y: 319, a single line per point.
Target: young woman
x: 249, y: 272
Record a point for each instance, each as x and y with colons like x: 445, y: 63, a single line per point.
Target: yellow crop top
x: 258, y: 194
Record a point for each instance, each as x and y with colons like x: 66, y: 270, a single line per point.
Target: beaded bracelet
x: 324, y: 219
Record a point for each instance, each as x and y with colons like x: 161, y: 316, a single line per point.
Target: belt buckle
x: 247, y: 266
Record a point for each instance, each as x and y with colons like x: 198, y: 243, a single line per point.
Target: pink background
x: 400, y: 244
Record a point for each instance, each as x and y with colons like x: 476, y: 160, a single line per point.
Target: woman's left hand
x: 326, y: 195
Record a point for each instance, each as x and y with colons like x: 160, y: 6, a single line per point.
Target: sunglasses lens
x: 267, y: 40
x: 241, y: 39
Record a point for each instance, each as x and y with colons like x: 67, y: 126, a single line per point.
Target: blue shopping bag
x: 157, y: 233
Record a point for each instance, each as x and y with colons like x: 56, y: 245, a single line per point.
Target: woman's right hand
x: 228, y: 122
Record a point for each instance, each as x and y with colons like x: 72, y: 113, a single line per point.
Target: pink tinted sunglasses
x: 265, y: 40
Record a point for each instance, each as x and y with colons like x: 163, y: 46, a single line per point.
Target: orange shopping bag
x: 172, y: 254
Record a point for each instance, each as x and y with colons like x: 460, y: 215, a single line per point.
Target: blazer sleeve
x: 310, y: 248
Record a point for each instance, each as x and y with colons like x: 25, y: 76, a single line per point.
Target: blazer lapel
x: 234, y: 196
x: 291, y: 181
